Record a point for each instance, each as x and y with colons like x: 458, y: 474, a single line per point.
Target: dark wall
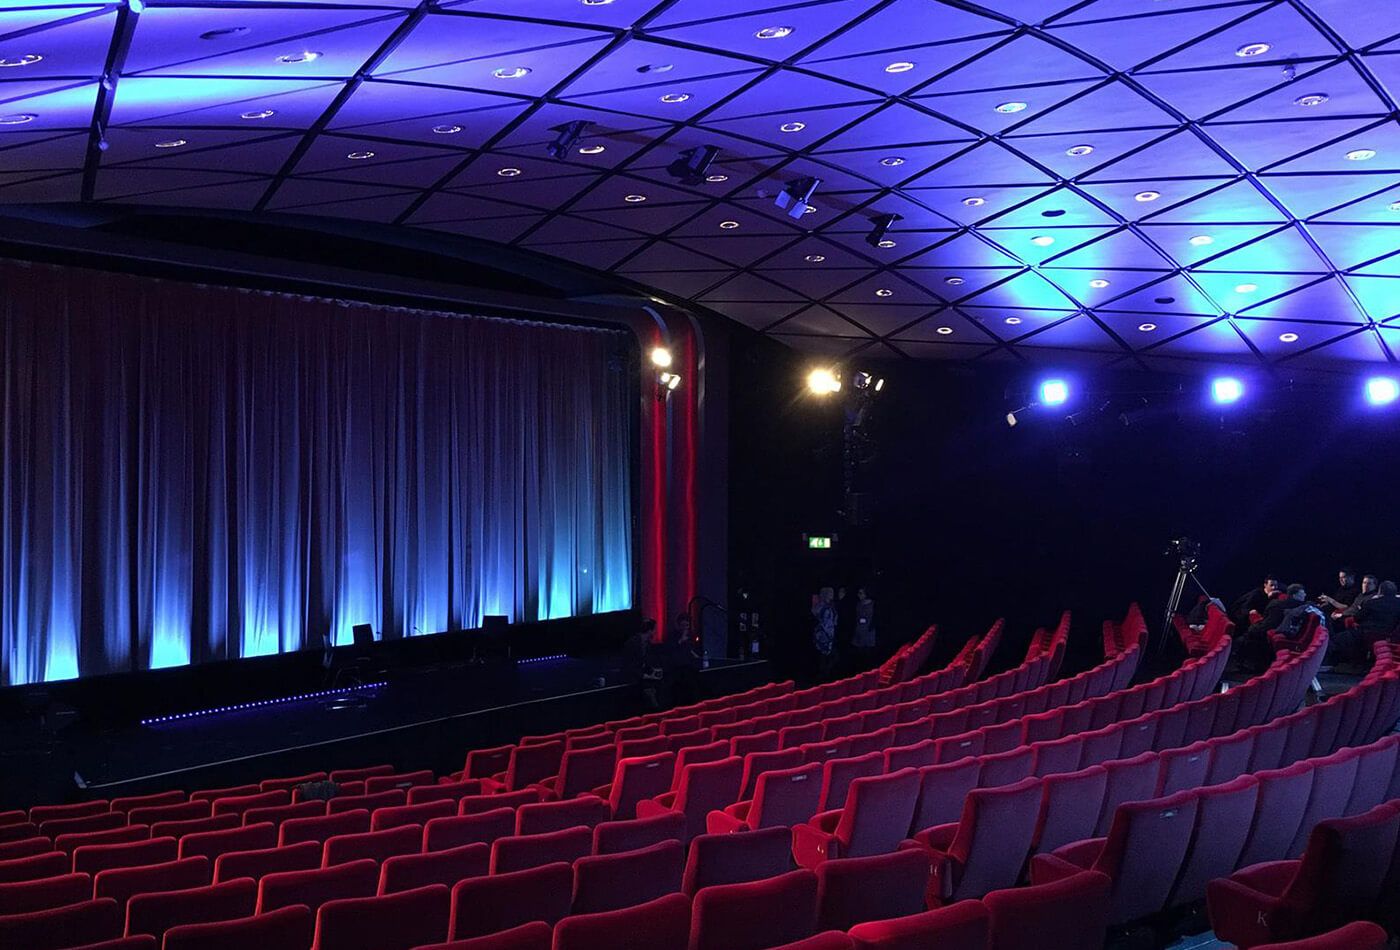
x: 975, y: 519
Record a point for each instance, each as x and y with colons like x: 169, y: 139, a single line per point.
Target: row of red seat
x: 1121, y: 637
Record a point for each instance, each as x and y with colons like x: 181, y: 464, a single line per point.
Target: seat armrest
x: 651, y: 807
x: 811, y: 845
x: 495, y: 785
x: 723, y: 823
x: 1081, y: 853
x: 1049, y: 868
x: 1241, y: 915
x: 826, y: 820
x: 1268, y: 877
x: 938, y: 837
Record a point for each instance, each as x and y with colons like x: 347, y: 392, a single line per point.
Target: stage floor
x: 418, y: 718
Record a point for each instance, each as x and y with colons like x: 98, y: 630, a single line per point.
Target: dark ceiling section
x: 1100, y: 181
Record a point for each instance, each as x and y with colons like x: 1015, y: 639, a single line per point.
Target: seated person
x: 1346, y: 592
x: 1369, y: 585
x: 1379, y: 616
x: 1253, y: 601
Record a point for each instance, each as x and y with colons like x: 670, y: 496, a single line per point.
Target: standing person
x: 863, y: 639
x: 824, y: 630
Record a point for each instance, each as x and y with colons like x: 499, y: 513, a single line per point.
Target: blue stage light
x: 1382, y: 390
x: 1054, y: 392
x: 1226, y: 389
x: 258, y: 703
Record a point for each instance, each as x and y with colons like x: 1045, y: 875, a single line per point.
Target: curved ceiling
x: 1108, y: 180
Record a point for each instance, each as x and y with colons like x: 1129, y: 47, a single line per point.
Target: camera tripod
x: 1186, y: 569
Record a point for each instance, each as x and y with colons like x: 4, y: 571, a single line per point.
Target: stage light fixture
x: 1054, y: 392
x: 670, y: 381
x: 566, y: 136
x: 880, y: 224
x: 1382, y: 390
x: 691, y: 167
x: 796, y: 196
x: 823, y: 382
x: 661, y: 357
x: 1225, y: 390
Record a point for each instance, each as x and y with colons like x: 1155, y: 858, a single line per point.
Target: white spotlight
x: 823, y: 382
x: 661, y: 357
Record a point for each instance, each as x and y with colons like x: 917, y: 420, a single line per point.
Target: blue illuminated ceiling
x: 1104, y: 180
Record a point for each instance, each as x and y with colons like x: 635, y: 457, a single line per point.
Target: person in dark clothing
x: 1379, y: 616
x: 863, y: 638
x: 1279, y: 616
x: 845, y: 615
x: 637, y: 662
x: 1253, y: 600
x: 1346, y: 592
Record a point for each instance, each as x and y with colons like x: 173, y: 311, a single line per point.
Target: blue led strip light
x: 541, y: 659
x: 259, y: 703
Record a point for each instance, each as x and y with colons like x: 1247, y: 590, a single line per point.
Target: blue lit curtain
x: 196, y: 473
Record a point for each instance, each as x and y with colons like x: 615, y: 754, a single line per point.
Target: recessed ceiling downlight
x: 305, y: 56
x: 773, y: 32
x: 792, y: 126
x: 1288, y: 337
x: 172, y: 143
x: 1361, y: 154
x: 508, y: 172
x: 1078, y: 151
x: 671, y: 98
x: 1252, y: 49
x: 1147, y: 196
x: 1009, y: 108
x: 1098, y: 283
x: 18, y: 118
x: 360, y: 156
x: 258, y: 114
x: 28, y: 59
x: 900, y: 67
x: 1308, y: 101
x: 511, y: 72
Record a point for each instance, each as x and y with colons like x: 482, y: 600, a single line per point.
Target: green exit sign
x: 819, y: 542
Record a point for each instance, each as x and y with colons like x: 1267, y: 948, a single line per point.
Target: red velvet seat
x: 376, y: 845
x: 852, y: 891
x: 1182, y: 768
x: 399, y: 781
x: 758, y: 763
x: 193, y: 826
x: 476, y: 804
x: 1007, y: 768
x: 444, y: 792
x: 276, y: 814
x: 290, y: 782
x: 313, y: 888
x: 322, y: 829
x: 535, y: 935
x: 736, y: 858
x: 520, y: 852
x: 961, y: 926
x: 63, y: 927
x: 180, y: 811
x: 915, y: 755
x: 766, y: 741
x: 406, y: 872
x: 397, y: 816
x: 703, y: 788
x: 483, y: 763
x: 172, y: 797
x: 638, y: 779
x: 1224, y: 814
x: 830, y: 940
x: 782, y: 798
x: 613, y: 881
x: 68, y: 843
x: 442, y: 834
x: 214, y: 794
x: 211, y: 844
x: 694, y: 754
x: 121, y: 884
x: 529, y: 764
x: 754, y: 915
x: 942, y: 789
x: 46, y: 893
x: 1278, y: 813
x: 256, y: 864
x: 1129, y: 780
x: 238, y: 804
x: 612, y: 837
x: 874, y: 820
x: 42, y: 813
x: 94, y: 858
x: 341, y: 776
x: 107, y: 821
x: 488, y: 905
x: 289, y: 928
x: 1334, y: 777
x: 838, y: 774
x: 156, y: 913
x: 1070, y: 803
x: 987, y: 848
x: 582, y: 770
x: 24, y: 848
x: 398, y: 921
x: 1361, y: 935
x: 388, y: 798
x: 661, y: 924
x: 139, y: 942
x: 542, y: 817
x: 1070, y: 912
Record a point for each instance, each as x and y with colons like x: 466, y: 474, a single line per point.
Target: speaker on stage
x: 364, y: 635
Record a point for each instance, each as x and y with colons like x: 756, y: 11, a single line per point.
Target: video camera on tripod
x: 1187, y: 553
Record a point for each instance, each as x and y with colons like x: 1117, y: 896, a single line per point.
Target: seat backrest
x: 756, y: 763
x: 613, y: 881
x: 540, y: 818
x: 1070, y: 804
x: 1070, y: 912
x: 255, y: 864
x: 72, y: 926
x: 92, y: 858
x: 443, y: 834
x: 582, y: 770
x: 181, y: 811
x: 1334, y: 777
x: 852, y: 891
x: 994, y: 837
x: 398, y: 921
x: 660, y: 924
x: 1185, y: 767
x: 706, y: 787
x: 120, y: 884
x: 521, y: 852
x: 1375, y: 765
x: 1283, y: 797
x: 838, y: 774
x: 396, y: 816
x: 289, y: 928
x: 21, y: 897
x: 735, y: 858
x: 377, y: 845
x: 612, y: 837
x: 942, y: 789
x: 407, y: 872
x: 1058, y: 755
x: 1224, y: 814
x: 877, y: 814
x: 1146, y: 845
x: 638, y: 778
x: 690, y: 755
x: 1006, y: 768
x: 484, y: 763
x: 1358, y: 853
x: 487, y: 905
x: 534, y: 763
x: 743, y: 917
x: 960, y: 926
x: 154, y: 914
x: 295, y: 830
x: 915, y: 755
x: 1129, y: 780
x: 314, y: 888
x: 786, y: 797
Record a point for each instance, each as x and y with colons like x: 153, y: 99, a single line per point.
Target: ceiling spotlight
x: 945, y: 331
x: 511, y: 72
x: 669, y: 381
x: 260, y: 114
x: 1098, y: 283
x: 18, y: 118
x: 446, y: 129
x: 661, y: 357
x: 171, y: 143
x: 884, y: 292
x: 1361, y: 155
x: 223, y: 33
x: 671, y: 98
x: 305, y: 56
x: 508, y: 172
x: 1147, y: 196
x: 692, y: 164
x: 1054, y: 392
x: 716, y: 178
x: 729, y: 225
x: 892, y: 162
x: 810, y: 209
x: 1013, y: 321
x: 28, y: 59
x: 1393, y: 206
x: 880, y: 224
x: 359, y: 156
x: 1246, y: 288
x: 1201, y: 240
x: 1147, y: 327
x: 592, y: 149
x: 900, y: 67
x: 1252, y: 49
x: 1007, y: 108
x: 566, y: 136
x: 886, y: 243
x: 1316, y: 99
x: 1079, y: 150
x: 796, y: 196
x: 634, y: 199
x: 1288, y: 337
x: 823, y: 382
x: 792, y: 126
x: 815, y: 258
x: 1042, y: 240
x: 656, y: 68
x: 774, y: 32
x: 953, y: 281
x: 596, y: 3
x: 974, y: 202
x: 1382, y: 390
x: 1225, y: 390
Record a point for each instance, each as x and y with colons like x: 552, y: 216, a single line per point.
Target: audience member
x: 1379, y: 616
x: 824, y: 630
x: 1346, y: 592
x: 1253, y: 601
